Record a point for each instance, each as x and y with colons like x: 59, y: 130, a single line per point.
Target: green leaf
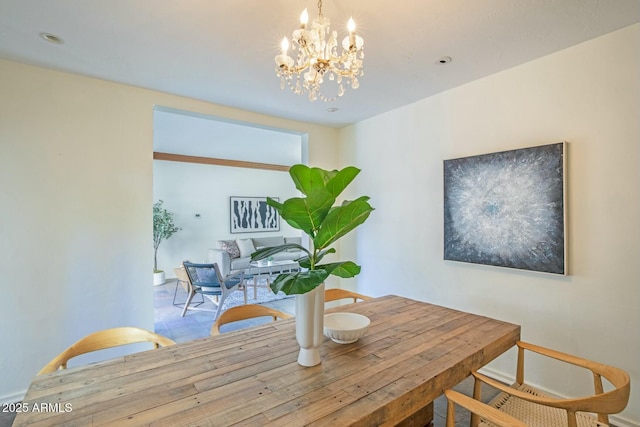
x: 344, y: 269
x: 341, y: 180
x: 359, y: 199
x: 303, y: 281
x: 322, y: 253
x: 299, y: 282
x: 341, y: 220
x: 307, y: 214
x: 273, y: 202
x: 307, y: 180
x: 304, y: 262
x: 272, y: 250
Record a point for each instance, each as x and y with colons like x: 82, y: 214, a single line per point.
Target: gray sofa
x: 234, y: 255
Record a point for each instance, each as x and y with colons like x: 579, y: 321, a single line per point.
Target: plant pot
x: 159, y: 278
x: 310, y: 325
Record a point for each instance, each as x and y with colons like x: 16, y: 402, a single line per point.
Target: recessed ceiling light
x: 332, y: 109
x: 443, y: 60
x: 51, y: 38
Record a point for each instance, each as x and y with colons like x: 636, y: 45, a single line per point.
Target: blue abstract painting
x: 252, y: 214
x: 507, y: 209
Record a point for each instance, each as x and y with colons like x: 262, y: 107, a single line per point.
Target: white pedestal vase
x: 158, y: 278
x: 309, y: 325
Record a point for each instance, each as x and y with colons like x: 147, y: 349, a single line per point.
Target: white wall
x: 75, y: 202
x: 188, y: 189
x: 183, y: 132
x: 588, y: 95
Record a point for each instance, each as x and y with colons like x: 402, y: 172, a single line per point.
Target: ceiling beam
x: 219, y: 162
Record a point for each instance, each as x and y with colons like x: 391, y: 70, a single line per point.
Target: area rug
x: 264, y: 295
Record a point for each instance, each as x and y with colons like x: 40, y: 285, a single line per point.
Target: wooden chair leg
x: 220, y: 303
x: 477, y: 395
x: 181, y: 304
x: 186, y: 304
x: 451, y: 414
x: 175, y: 293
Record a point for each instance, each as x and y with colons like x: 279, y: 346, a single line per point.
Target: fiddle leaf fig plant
x: 324, y: 223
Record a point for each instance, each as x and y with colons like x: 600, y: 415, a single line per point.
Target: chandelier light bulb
x: 316, y: 54
x: 351, y: 26
x: 284, y: 45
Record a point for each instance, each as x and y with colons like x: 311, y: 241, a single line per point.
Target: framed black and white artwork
x: 253, y: 214
x: 507, y: 209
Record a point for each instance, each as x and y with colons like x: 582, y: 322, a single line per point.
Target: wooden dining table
x: 411, y: 353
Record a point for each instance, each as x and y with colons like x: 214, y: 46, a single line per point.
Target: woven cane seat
x: 535, y: 415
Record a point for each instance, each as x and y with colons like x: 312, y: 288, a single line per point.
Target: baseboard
x: 12, y: 398
x: 500, y: 376
x: 616, y: 420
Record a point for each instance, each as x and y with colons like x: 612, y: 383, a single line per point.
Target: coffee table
x: 266, y: 271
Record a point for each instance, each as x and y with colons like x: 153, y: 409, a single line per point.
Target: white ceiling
x: 223, y: 51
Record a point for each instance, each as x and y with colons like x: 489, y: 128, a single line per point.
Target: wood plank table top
x: 250, y: 377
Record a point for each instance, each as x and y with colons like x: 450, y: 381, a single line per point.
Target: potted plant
x: 163, y: 228
x: 324, y: 223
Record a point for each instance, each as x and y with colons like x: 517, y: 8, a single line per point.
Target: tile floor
x: 198, y: 320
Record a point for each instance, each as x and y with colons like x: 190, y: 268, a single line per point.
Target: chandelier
x: 317, y: 58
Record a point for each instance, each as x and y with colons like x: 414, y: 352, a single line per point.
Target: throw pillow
x: 246, y: 247
x: 206, y: 275
x: 231, y: 247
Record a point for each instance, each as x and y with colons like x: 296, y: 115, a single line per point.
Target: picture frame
x: 508, y: 209
x: 252, y: 214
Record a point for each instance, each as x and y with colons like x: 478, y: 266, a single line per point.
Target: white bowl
x: 345, y: 328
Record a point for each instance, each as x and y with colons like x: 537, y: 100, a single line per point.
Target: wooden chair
x: 335, y: 294
x: 101, y: 340
x: 537, y: 408
x: 207, y: 280
x: 247, y: 311
x: 183, y: 280
x: 488, y: 413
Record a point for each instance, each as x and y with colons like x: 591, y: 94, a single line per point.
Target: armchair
x: 207, y: 280
x: 534, y: 407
